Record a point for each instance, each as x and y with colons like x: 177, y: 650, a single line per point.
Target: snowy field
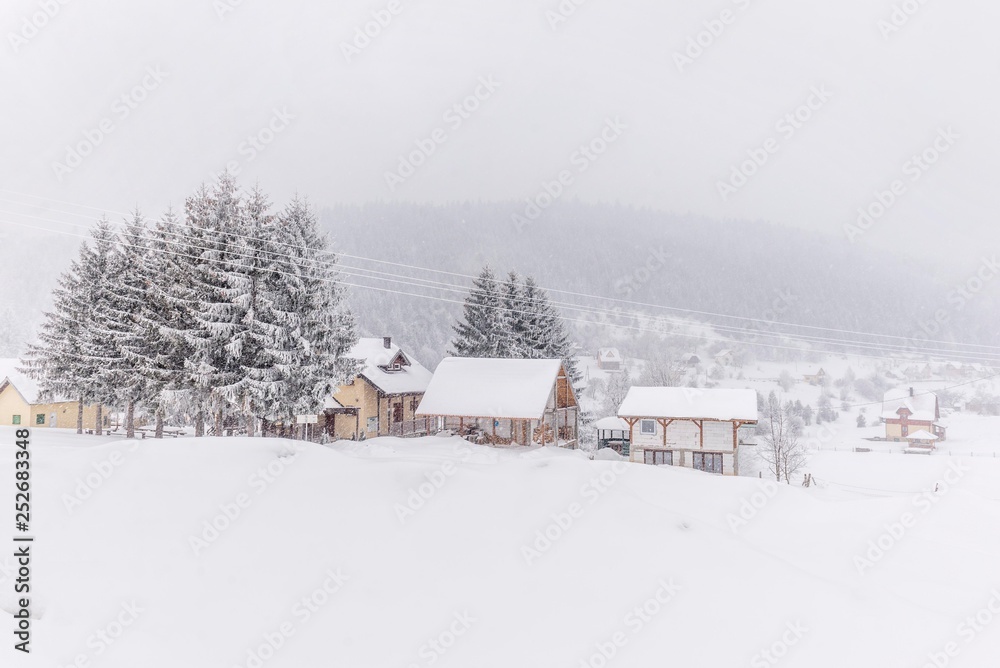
x: 434, y: 552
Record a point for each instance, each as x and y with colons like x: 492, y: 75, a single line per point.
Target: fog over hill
x: 741, y: 268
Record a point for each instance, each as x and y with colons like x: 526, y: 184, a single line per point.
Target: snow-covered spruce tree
x: 482, y: 331
x: 317, y: 329
x: 57, y: 361
x: 122, y: 334
x: 548, y: 337
x: 97, y: 267
x: 269, y: 328
x: 166, y: 318
x: 212, y: 232
x: 515, y: 319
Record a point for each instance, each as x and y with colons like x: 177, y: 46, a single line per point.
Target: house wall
x: 365, y: 397
x: 12, y: 404
x: 894, y: 428
x: 683, y: 439
x: 66, y: 413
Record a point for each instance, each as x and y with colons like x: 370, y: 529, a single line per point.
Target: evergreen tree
x: 57, y: 361
x: 482, y: 332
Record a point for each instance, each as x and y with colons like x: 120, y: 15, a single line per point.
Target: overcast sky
x: 200, y: 77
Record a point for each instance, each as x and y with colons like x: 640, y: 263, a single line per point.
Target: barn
x: 694, y: 428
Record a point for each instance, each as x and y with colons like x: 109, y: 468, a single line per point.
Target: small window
x: 659, y: 457
x: 40, y: 418
x: 373, y: 424
x: 648, y: 426
x: 16, y: 420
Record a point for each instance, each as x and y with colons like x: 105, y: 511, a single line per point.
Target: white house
x: 503, y: 401
x: 609, y: 359
x: 694, y: 428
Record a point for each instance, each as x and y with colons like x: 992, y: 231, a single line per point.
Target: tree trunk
x: 218, y: 423
x: 159, y: 423
x: 199, y: 423
x: 79, y: 416
x: 251, y: 426
x: 130, y: 419
x: 99, y: 427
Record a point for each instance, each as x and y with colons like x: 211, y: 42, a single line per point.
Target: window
x: 373, y: 424
x: 648, y: 426
x: 40, y: 418
x: 16, y: 420
x: 710, y: 462
x: 659, y: 457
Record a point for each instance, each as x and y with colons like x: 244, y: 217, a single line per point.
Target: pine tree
x: 515, y: 318
x: 319, y: 327
x: 550, y: 338
x: 482, y: 332
x: 121, y: 332
x: 57, y: 360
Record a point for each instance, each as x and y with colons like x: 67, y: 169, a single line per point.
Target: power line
x: 437, y: 285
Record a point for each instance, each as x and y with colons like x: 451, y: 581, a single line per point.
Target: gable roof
x: 501, y: 388
x: 24, y: 385
x: 376, y: 358
x: 923, y: 406
x: 813, y: 370
x: 922, y: 435
x: 690, y: 403
x: 609, y: 355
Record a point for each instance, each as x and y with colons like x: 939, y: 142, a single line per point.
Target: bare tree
x: 664, y: 371
x: 780, y: 429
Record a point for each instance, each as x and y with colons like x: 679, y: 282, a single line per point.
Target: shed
x: 612, y: 432
x: 503, y: 401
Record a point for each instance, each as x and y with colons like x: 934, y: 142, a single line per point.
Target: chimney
x: 387, y: 342
x: 911, y: 391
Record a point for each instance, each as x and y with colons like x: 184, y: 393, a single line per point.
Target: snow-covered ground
x: 431, y: 551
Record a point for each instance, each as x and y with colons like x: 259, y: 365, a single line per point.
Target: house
x: 813, y: 375
x: 503, y: 401
x: 612, y: 432
x: 382, y: 399
x: 691, y: 359
x: 725, y: 358
x: 905, y: 412
x: 609, y: 359
x: 21, y: 404
x: 693, y: 428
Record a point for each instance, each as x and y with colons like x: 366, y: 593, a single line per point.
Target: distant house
x: 691, y: 359
x: 813, y: 375
x: 21, y: 404
x: 382, y: 399
x: 612, y: 432
x: 503, y: 401
x: 906, y: 412
x: 693, y: 428
x: 725, y: 358
x: 609, y: 359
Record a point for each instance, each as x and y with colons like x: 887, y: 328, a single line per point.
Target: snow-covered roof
x: 813, y: 370
x: 690, y: 403
x: 922, y: 435
x: 723, y: 353
x: 378, y: 360
x: 27, y: 388
x: 612, y: 422
x: 502, y: 388
x: 609, y: 355
x: 922, y: 405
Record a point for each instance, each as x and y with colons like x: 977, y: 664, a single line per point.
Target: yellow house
x: 382, y: 399
x: 20, y: 404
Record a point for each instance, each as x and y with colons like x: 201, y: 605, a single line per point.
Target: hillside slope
x: 456, y: 583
